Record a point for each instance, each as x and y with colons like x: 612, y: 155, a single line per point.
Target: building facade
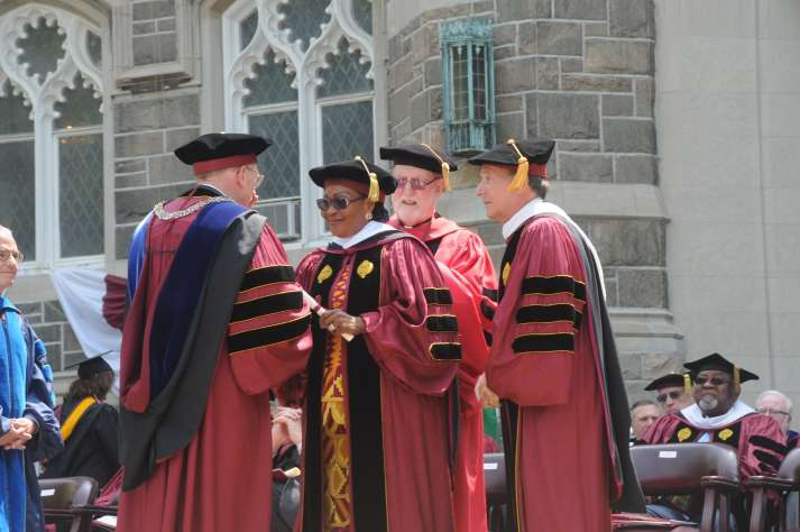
x: 674, y: 121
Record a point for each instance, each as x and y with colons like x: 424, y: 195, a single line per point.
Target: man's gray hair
x: 643, y: 402
x: 778, y: 394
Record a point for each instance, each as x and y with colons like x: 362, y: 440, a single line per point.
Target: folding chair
x: 784, y: 484
x: 494, y: 470
x: 688, y: 469
x: 63, y: 499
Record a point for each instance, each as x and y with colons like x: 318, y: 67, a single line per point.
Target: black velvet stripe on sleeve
x: 438, y: 296
x: 268, y: 335
x: 446, y: 323
x: 490, y: 293
x: 487, y: 310
x: 446, y: 350
x: 267, y: 305
x: 267, y: 275
x: 543, y: 343
x: 558, y: 284
x: 772, y: 462
x: 578, y: 320
x: 487, y: 336
x: 768, y: 443
x: 546, y: 314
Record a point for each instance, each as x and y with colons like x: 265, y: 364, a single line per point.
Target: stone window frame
x: 306, y: 65
x: 42, y: 100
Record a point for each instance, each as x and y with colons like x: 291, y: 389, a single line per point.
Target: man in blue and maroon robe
x: 553, y: 362
x: 216, y: 321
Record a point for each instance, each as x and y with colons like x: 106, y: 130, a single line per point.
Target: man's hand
x: 22, y: 430
x: 291, y: 421
x: 485, y: 394
x: 339, y: 322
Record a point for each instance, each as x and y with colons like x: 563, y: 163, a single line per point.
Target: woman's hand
x: 339, y: 322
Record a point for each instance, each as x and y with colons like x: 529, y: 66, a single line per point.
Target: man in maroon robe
x: 553, y: 361
x: 719, y: 416
x: 377, y: 445
x: 423, y: 175
x: 215, y: 322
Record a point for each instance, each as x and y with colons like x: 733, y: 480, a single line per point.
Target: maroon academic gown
x: 222, y: 479
x: 757, y: 438
x: 377, y: 446
x: 544, y: 364
x: 471, y: 273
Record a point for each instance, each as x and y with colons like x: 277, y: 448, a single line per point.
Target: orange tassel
x: 521, y: 177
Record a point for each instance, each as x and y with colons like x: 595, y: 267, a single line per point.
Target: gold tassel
x: 374, y: 189
x: 445, y: 168
x: 687, y: 383
x: 737, y: 376
x: 521, y: 177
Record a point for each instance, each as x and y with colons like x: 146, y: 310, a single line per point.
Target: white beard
x: 708, y: 403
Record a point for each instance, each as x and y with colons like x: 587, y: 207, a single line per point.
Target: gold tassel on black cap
x: 687, y: 383
x: 737, y: 376
x: 374, y: 190
x: 521, y: 178
x: 445, y: 168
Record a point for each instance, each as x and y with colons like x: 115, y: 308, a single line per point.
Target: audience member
x: 672, y: 393
x: 719, y: 416
x: 89, y: 426
x: 643, y: 414
x: 779, y: 407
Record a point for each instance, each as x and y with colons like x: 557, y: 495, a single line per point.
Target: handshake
x: 21, y: 431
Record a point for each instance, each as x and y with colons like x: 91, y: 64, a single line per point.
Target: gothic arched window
x: 300, y: 73
x: 51, y: 135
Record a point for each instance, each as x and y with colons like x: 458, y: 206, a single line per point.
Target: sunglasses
x: 716, y: 381
x: 416, y: 183
x: 6, y: 254
x: 674, y: 395
x: 339, y: 203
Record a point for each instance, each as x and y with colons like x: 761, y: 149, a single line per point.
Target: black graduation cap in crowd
x: 529, y: 156
x: 378, y: 181
x: 92, y: 366
x: 717, y: 362
x: 421, y: 156
x: 215, y: 151
x: 671, y: 379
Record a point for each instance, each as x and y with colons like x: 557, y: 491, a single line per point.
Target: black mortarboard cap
x: 421, y: 156
x: 215, y: 151
x: 528, y: 156
x: 672, y: 379
x: 92, y: 366
x: 715, y: 361
x: 359, y: 171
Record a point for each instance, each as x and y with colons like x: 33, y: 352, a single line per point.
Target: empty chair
x: 689, y: 469
x: 63, y: 499
x: 780, y: 487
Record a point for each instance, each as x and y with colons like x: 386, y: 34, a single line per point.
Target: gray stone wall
x: 155, y: 39
x: 50, y: 323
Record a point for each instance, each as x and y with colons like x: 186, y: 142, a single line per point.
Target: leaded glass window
x: 347, y: 131
x: 17, y: 193
x: 346, y: 73
x: 297, y: 77
x: 51, y: 141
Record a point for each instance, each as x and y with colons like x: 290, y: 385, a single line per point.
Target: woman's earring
x: 368, y: 216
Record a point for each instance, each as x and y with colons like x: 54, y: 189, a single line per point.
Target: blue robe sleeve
x: 40, y: 401
x: 136, y: 255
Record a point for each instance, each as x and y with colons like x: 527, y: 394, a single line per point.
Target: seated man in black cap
x: 423, y: 175
x: 88, y: 426
x: 673, y: 392
x: 216, y: 321
x: 553, y: 361
x: 719, y: 416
